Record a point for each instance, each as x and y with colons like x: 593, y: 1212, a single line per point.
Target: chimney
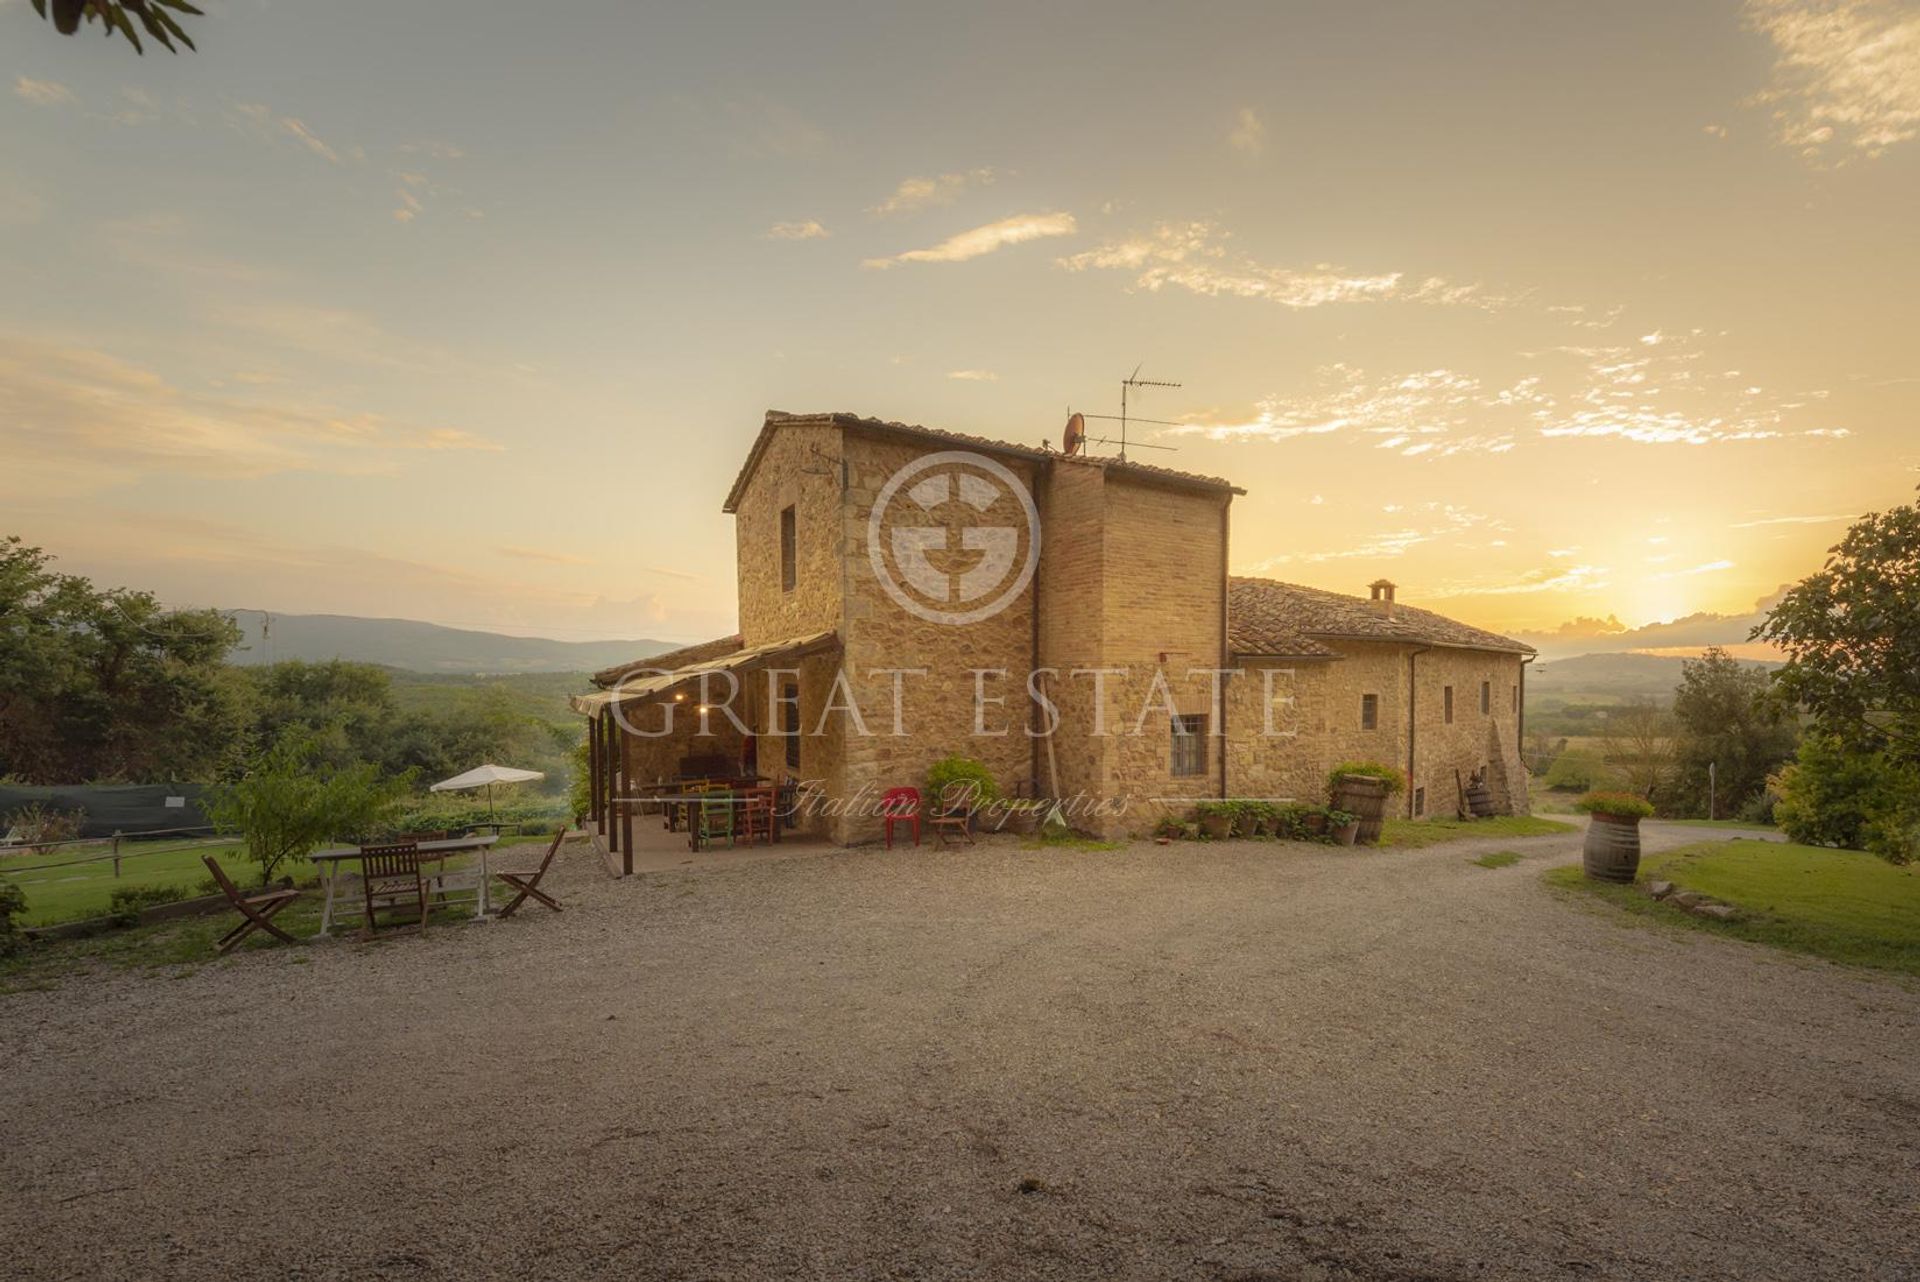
x: 1382, y: 591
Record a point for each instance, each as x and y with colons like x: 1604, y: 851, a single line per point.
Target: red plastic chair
x: 900, y: 806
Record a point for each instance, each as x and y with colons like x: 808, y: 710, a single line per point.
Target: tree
x: 1733, y: 733
x: 1835, y: 796
x: 1852, y: 637
x: 67, y: 15
x: 106, y: 684
x: 1638, y: 743
x: 345, y: 710
x: 290, y: 803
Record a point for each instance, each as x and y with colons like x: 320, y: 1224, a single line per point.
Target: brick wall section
x: 1326, y: 719
x: 937, y: 710
x: 801, y: 468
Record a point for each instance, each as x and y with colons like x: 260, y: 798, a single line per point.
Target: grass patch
x: 1736, y: 824
x: 1498, y: 859
x: 175, y: 948
x: 1840, y: 905
x: 80, y: 881
x: 1411, y: 834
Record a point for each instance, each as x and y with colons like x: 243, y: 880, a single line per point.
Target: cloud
x: 78, y: 419
x: 975, y: 375
x: 809, y: 230
x: 1433, y: 520
x: 1428, y: 412
x: 1691, y: 632
x: 1791, y: 520
x: 923, y: 193
x: 1846, y: 74
x: 42, y: 93
x: 1710, y: 567
x: 1249, y: 136
x: 985, y: 240
x: 1193, y: 256
x: 261, y: 121
x: 537, y: 554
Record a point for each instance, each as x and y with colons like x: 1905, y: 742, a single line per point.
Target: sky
x: 1578, y: 321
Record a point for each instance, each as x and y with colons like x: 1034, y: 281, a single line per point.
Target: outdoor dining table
x: 329, y: 861
x: 668, y: 800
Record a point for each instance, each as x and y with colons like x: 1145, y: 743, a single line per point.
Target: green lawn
x: 1842, y: 905
x: 1496, y: 859
x: 1410, y: 834
x: 188, y: 942
x: 84, y: 883
x: 1737, y: 824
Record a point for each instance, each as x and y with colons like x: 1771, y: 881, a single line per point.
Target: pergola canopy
x: 638, y: 688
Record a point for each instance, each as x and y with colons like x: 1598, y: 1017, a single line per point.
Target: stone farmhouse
x: 907, y: 593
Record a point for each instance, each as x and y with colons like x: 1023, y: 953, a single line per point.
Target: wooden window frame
x: 1187, y: 753
x: 789, y: 548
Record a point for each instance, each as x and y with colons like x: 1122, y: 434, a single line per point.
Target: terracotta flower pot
x: 1217, y: 827
x: 1347, y: 833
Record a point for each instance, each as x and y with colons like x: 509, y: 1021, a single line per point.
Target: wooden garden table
x: 329, y: 861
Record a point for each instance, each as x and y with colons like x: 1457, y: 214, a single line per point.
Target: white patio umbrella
x: 485, y: 777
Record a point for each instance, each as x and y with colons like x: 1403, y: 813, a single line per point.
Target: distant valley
x: 423, y: 647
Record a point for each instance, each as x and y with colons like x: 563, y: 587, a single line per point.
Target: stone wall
x: 1473, y: 739
x: 800, y: 469
x: 937, y: 709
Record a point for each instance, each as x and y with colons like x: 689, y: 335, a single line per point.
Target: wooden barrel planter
x: 1612, y: 850
x: 1366, y: 797
x: 1479, y: 800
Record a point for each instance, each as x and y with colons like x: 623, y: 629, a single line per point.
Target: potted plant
x: 1262, y: 819
x: 1362, y: 788
x: 1343, y: 826
x: 1315, y: 822
x: 1216, y: 819
x: 1612, y: 850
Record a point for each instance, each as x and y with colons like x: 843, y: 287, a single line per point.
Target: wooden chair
x: 390, y: 875
x: 527, y: 885
x: 756, y: 815
x: 900, y: 806
x: 255, y: 910
x: 953, y: 821
x: 715, y: 818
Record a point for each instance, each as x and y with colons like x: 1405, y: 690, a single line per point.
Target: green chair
x: 715, y: 818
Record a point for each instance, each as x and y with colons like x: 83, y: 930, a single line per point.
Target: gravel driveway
x: 1241, y: 1061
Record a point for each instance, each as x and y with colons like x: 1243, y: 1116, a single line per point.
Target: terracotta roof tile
x: 940, y: 436
x: 667, y: 662
x: 1268, y: 617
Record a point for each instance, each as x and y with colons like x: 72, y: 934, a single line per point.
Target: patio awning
x: 660, y: 685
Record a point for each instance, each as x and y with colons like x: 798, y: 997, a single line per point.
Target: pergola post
x: 593, y: 768
x: 626, y: 811
x: 610, y: 753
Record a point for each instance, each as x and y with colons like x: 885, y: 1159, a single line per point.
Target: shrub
x: 13, y: 902
x: 580, y: 783
x: 1577, y: 770
x: 41, y: 827
x: 287, y: 805
x: 124, y: 904
x: 957, y: 781
x: 1619, y: 805
x: 1834, y: 795
x: 1395, y: 781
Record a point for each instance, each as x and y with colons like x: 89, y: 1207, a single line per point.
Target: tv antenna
x: 1076, y: 426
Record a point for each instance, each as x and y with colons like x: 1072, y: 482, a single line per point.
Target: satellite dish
x: 1075, y: 436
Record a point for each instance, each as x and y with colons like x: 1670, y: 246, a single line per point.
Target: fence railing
x: 115, y: 852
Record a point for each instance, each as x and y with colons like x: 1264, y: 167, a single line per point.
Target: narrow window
x: 790, y: 719
x: 1419, y: 802
x: 1189, y: 747
x: 1516, y: 698
x: 789, y: 551
x: 1447, y: 699
x: 1486, y: 697
x: 1369, y: 711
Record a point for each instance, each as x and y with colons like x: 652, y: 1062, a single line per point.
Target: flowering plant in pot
x: 1612, y: 848
x: 1343, y: 826
x: 1361, y: 788
x: 1216, y: 819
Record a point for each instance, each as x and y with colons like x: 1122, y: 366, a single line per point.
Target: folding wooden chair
x: 954, y: 821
x: 528, y: 884
x: 254, y: 910
x: 390, y: 875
